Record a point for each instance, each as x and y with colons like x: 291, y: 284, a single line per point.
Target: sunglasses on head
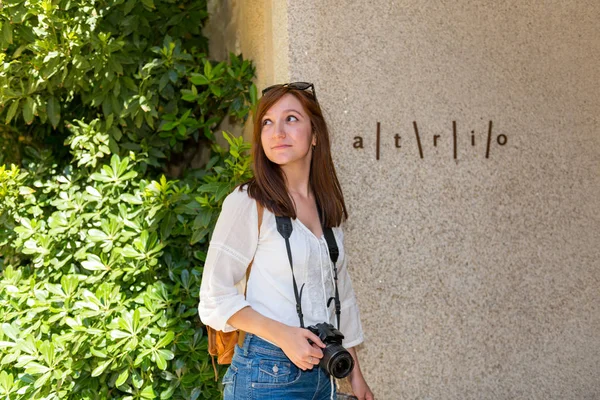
x: 294, y: 85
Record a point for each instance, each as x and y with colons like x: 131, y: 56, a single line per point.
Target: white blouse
x: 270, y: 290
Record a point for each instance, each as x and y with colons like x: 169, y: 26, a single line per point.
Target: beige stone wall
x: 258, y: 30
x: 477, y: 277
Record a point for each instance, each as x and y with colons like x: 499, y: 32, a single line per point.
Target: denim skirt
x: 261, y: 370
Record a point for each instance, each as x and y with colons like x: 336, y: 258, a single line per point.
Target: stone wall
x: 466, y: 137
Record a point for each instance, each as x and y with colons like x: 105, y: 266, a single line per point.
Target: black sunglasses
x: 294, y: 85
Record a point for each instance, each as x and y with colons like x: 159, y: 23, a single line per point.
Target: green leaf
x: 161, y: 363
x: 55, y: 289
x: 35, y: 368
x: 198, y: 79
x: 53, y: 111
x: 18, y: 51
x: 136, y: 378
x: 253, y: 94
x: 10, y: 331
x: 25, y: 191
x: 41, y: 381
x: 166, y: 354
x: 223, y: 190
x: 100, y: 177
x: 130, y: 252
x: 98, y: 353
x: 5, y: 344
x: 129, y: 175
x: 122, y: 378
x: 129, y: 6
x: 94, y: 263
x: 69, y: 283
x: 117, y: 334
x: 167, y: 225
x: 50, y: 56
x: 210, y: 187
x: 97, y: 235
x: 167, y: 394
x: 136, y: 320
x: 131, y: 199
x: 47, y: 350
x: 148, y: 3
x: 93, y: 191
x: 198, y: 235
x: 12, y: 110
x: 138, y: 361
x: 148, y: 393
x: 216, y: 90
x: 100, y: 368
x: 28, y: 110
x: 208, y: 69
x: 168, y: 338
x: 115, y: 164
x: 6, y: 381
x: 7, y: 32
x: 109, y: 121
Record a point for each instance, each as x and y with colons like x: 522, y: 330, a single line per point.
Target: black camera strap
x: 334, y: 253
x: 284, y: 227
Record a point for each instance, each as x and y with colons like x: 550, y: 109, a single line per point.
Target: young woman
x: 294, y: 176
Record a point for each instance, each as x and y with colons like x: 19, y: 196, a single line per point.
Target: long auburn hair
x: 268, y: 184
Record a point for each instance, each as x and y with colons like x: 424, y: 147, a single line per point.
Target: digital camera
x: 336, y: 361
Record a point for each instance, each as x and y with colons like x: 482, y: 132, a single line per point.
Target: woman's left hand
x: 357, y: 380
x: 360, y: 388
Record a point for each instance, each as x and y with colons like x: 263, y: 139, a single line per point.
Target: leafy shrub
x: 140, y: 66
x: 101, y: 254
x: 99, y: 295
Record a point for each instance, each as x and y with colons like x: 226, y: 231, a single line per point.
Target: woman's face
x: 286, y: 134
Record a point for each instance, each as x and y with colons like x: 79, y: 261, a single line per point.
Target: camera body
x: 336, y: 361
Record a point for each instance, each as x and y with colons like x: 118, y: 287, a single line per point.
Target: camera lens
x: 338, y: 361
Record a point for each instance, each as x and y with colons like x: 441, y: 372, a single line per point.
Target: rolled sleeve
x: 231, y: 249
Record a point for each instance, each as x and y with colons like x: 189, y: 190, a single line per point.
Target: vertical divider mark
x: 378, y: 140
x: 489, y: 139
x: 418, y: 138
x: 454, y: 137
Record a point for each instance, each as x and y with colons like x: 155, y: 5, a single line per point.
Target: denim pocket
x: 229, y: 382
x: 276, y: 373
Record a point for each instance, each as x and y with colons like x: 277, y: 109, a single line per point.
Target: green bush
x: 141, y: 67
x: 101, y: 254
x: 99, y: 299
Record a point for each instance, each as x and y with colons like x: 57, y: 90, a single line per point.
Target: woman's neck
x: 297, y: 181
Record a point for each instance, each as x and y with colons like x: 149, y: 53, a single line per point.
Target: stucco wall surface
x: 477, y: 278
x: 257, y: 29
x: 476, y: 265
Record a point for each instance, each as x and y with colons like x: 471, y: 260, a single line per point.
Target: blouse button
x: 275, y: 368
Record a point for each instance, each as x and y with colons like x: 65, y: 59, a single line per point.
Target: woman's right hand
x: 294, y: 343
x: 292, y: 340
